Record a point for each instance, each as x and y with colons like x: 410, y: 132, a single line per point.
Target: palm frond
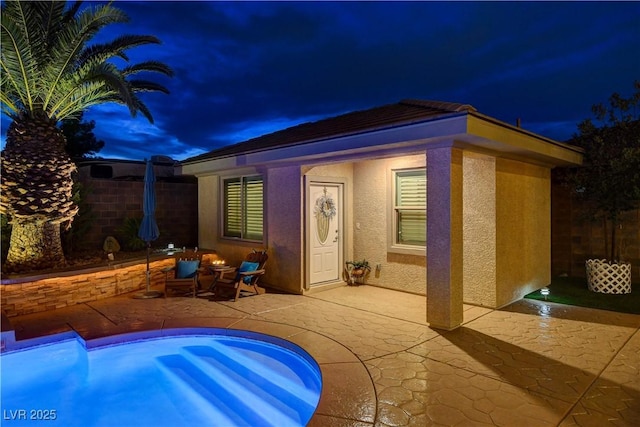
x: 99, y: 52
x: 152, y: 66
x: 71, y: 12
x: 48, y: 66
x: 10, y: 91
x: 102, y: 78
x: 141, y: 106
x: 17, y: 55
x: 81, y: 104
x: 73, y: 37
x: 147, y: 86
x: 83, y: 97
x: 9, y: 108
x: 50, y: 16
x: 115, y: 48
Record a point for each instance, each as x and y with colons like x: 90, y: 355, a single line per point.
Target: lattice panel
x: 608, y: 278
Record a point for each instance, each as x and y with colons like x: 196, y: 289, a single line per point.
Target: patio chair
x: 183, y: 275
x: 246, y: 276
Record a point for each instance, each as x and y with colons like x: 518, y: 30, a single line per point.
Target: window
x: 242, y: 207
x: 410, y: 207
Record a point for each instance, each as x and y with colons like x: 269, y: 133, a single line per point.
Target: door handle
x: 336, y: 239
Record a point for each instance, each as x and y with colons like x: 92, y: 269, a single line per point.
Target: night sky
x: 246, y: 69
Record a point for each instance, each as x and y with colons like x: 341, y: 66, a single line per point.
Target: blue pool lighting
x: 179, y: 377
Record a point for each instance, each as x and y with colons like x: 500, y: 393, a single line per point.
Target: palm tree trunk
x: 36, y: 193
x: 34, y: 245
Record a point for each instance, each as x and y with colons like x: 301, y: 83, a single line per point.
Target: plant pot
x: 608, y: 277
x: 356, y: 276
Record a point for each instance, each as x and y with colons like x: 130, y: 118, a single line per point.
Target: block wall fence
x: 574, y: 239
x: 112, y: 201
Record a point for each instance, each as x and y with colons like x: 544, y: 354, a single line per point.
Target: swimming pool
x: 197, y: 377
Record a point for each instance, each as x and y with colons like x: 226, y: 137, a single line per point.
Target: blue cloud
x: 247, y: 68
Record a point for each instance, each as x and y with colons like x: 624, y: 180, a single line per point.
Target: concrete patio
x: 529, y: 364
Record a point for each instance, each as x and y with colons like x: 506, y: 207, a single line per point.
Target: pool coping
x: 341, y: 370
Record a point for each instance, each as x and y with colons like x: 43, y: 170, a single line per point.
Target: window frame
x: 393, y: 244
x: 244, y: 233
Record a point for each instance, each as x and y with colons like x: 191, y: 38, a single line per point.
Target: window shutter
x: 254, y: 208
x: 411, y: 189
x: 412, y: 227
x: 232, y: 208
x: 411, y: 207
x: 243, y: 207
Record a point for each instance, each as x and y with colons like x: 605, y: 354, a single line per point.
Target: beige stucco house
x: 441, y: 200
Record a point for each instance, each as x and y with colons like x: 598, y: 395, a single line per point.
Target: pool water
x: 187, y: 380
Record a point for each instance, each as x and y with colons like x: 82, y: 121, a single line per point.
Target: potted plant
x: 609, y: 183
x: 357, y: 271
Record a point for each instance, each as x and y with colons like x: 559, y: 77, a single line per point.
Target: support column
x: 444, y: 238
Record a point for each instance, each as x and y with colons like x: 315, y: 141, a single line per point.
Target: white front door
x: 325, y: 234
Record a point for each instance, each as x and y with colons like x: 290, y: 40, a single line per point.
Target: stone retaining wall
x: 36, y: 294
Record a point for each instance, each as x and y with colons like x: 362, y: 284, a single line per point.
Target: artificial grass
x: 574, y: 291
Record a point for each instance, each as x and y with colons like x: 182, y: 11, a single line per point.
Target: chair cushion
x: 247, y: 266
x: 187, y: 269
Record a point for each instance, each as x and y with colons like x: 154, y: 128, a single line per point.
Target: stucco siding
x: 283, y: 219
x: 208, y: 211
x: 479, y: 229
x: 372, y: 221
x: 523, y: 236
x: 283, y: 222
x: 233, y: 252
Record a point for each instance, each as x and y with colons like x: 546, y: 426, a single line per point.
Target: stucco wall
x: 523, y: 229
x: 283, y: 220
x: 445, y: 238
x: 506, y: 237
x: 371, y: 210
x: 208, y: 211
x: 233, y: 252
x: 479, y: 229
x: 284, y: 228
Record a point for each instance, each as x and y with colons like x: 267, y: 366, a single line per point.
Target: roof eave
x: 521, y: 143
x: 399, y: 138
x: 469, y: 130
x: 372, y: 130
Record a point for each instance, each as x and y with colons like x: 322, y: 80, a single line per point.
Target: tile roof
x: 404, y: 112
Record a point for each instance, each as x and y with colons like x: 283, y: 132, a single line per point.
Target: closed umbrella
x: 149, y: 228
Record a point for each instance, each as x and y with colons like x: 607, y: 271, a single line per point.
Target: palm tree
x: 50, y: 73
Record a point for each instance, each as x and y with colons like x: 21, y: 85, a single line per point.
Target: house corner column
x: 444, y: 238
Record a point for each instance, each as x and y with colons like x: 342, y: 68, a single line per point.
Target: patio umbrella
x: 149, y: 228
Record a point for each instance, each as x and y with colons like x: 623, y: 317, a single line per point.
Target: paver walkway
x: 529, y: 364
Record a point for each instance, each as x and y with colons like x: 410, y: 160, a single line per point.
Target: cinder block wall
x: 112, y: 201
x: 574, y: 239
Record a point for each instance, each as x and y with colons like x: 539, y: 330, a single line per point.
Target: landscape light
x: 545, y: 292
